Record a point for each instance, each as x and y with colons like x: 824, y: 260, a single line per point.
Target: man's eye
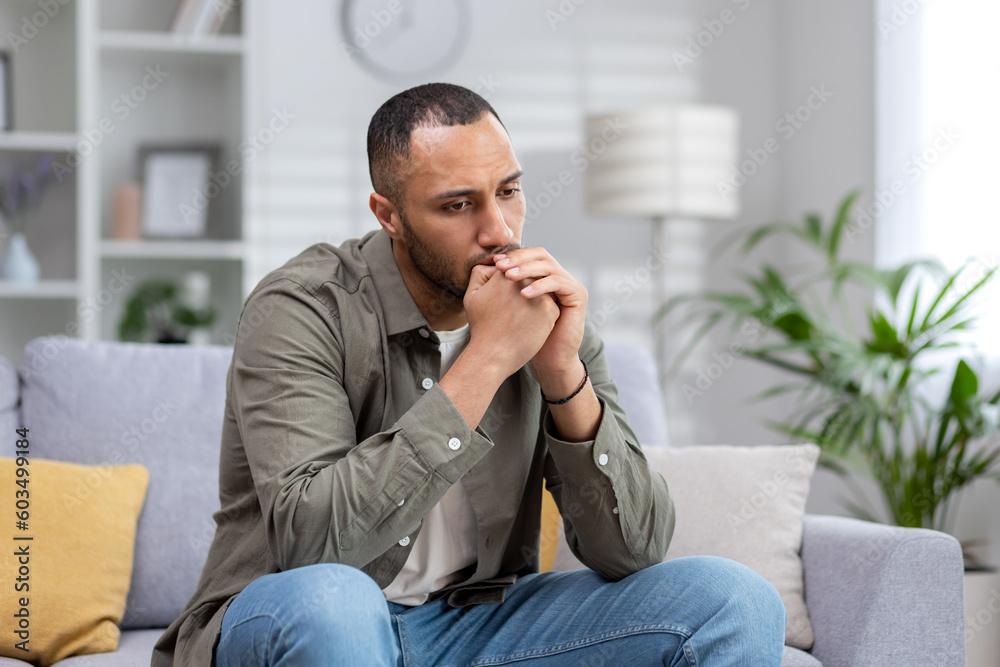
x: 510, y: 192
x: 458, y: 206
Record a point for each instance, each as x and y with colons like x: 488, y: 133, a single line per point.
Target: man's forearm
x: 471, y: 383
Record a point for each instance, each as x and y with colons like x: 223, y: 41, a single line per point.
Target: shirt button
x: 401, y: 501
x: 403, y: 542
x: 454, y: 443
x: 602, y: 459
x: 614, y: 511
x: 427, y: 383
x: 423, y: 333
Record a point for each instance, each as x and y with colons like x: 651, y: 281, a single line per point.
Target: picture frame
x: 6, y: 93
x: 178, y: 197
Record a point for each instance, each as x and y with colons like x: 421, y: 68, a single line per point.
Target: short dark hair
x: 390, y: 130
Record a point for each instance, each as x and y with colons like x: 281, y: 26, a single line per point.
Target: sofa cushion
x: 157, y: 405
x: 74, y: 562
x: 134, y: 648
x: 743, y: 503
x: 634, y: 371
x: 793, y: 657
x: 8, y: 399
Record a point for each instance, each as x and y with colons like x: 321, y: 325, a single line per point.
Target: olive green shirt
x: 337, y: 440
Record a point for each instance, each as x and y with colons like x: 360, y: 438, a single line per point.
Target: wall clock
x: 402, y: 40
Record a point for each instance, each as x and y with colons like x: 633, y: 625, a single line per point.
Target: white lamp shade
x: 663, y: 161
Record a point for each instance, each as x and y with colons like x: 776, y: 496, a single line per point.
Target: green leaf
x: 913, y: 312
x: 814, y: 229
x: 965, y: 385
x: 893, y: 280
x: 839, y: 224
x: 955, y: 307
x: 794, y: 326
x: 926, y: 324
x: 885, y: 339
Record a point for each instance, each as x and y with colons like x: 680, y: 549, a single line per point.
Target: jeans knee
x: 747, y: 592
x: 328, y: 614
x: 337, y: 594
x: 327, y: 597
x: 727, y: 584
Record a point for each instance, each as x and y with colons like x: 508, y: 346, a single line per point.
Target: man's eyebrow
x: 472, y: 191
x: 513, y: 177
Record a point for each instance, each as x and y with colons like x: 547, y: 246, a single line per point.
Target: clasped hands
x: 537, y: 304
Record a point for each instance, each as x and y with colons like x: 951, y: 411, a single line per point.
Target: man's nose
x: 494, y: 232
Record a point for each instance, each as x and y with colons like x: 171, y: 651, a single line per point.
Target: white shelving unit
x: 81, y: 73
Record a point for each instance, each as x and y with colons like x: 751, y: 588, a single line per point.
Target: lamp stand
x: 660, y: 249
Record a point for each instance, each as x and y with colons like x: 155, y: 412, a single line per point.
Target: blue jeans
x: 699, y: 610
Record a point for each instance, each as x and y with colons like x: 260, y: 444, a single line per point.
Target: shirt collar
x: 398, y: 307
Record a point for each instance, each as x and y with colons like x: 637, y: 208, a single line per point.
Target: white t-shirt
x: 448, y: 540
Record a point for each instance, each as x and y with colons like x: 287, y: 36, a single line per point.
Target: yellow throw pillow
x: 65, y: 571
x: 550, y: 529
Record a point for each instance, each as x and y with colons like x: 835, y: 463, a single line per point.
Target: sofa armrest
x: 883, y: 596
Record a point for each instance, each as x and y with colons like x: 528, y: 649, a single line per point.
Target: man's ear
x: 387, y: 215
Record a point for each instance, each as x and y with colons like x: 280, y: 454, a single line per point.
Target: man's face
x: 463, y: 201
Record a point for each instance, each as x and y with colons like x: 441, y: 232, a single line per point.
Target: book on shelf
x: 198, y: 18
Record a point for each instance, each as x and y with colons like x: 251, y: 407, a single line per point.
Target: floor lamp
x: 663, y: 162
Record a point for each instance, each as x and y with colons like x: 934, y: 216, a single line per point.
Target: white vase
x: 19, y: 265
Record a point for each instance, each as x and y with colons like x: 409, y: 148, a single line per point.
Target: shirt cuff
x: 439, y: 435
x: 580, y: 458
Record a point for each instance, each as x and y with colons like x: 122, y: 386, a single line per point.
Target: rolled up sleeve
x: 617, y: 512
x: 324, y: 496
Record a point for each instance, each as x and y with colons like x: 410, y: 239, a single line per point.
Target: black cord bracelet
x: 586, y: 374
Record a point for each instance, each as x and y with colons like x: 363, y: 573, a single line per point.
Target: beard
x: 436, y: 268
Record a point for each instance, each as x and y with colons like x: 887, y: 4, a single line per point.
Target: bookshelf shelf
x: 167, y: 42
x: 38, y: 141
x: 169, y: 249
x: 44, y: 289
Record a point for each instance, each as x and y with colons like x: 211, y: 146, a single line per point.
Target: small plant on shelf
x: 156, y: 313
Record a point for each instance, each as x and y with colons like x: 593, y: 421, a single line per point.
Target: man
x: 392, y: 408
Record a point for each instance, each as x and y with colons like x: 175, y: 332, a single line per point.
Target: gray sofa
x: 876, y: 595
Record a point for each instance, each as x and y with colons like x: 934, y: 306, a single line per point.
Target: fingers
x: 521, y: 255
x: 530, y: 263
x: 531, y: 269
x: 481, y: 273
x: 553, y: 285
x: 545, y: 276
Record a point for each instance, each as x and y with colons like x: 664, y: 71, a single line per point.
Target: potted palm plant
x: 863, y: 392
